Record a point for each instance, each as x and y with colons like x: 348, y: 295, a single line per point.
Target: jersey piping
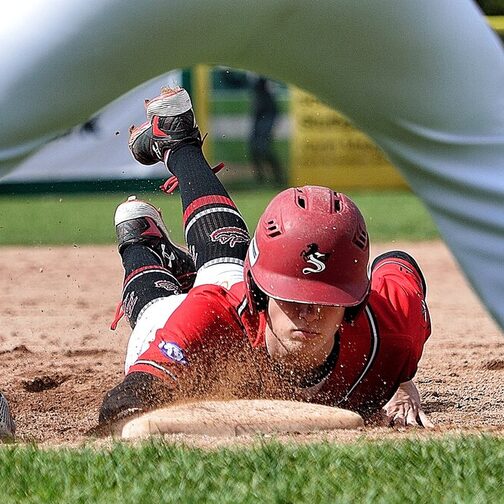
x: 373, y: 326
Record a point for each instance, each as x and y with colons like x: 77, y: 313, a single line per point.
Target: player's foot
x: 7, y: 425
x: 138, y: 222
x: 171, y: 124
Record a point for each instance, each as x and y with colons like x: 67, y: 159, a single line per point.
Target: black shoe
x: 138, y: 222
x: 171, y: 123
x: 137, y: 393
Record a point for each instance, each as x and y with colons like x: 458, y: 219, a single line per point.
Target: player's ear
x: 352, y: 312
x: 258, y: 298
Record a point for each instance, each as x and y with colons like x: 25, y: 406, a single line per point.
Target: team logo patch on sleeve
x: 230, y: 236
x: 317, y: 259
x: 172, y: 351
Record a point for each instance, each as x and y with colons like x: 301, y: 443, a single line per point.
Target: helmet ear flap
x: 258, y: 298
x: 352, y: 312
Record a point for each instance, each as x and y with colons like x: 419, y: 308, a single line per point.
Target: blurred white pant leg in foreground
x: 423, y: 79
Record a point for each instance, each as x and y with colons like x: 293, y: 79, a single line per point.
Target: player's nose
x: 309, y: 312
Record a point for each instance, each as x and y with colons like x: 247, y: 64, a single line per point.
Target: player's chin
x: 302, y: 355
x: 291, y: 352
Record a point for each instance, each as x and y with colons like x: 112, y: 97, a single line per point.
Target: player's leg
x: 215, y: 231
x: 7, y: 425
x: 156, y: 273
x: 154, y: 267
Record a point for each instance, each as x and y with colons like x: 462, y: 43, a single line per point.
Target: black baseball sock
x: 196, y: 178
x: 214, y: 228
x: 145, y: 280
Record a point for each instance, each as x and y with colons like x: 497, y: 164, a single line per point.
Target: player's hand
x: 405, y: 409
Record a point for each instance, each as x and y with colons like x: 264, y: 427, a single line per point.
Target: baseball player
x: 7, y: 425
x: 295, y: 304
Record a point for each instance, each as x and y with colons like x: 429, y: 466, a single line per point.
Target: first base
x: 239, y: 417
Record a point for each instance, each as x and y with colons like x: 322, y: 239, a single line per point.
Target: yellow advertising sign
x: 327, y: 150
x: 497, y: 23
x: 201, y: 102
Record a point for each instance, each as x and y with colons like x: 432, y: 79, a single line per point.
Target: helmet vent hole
x: 361, y: 238
x: 272, y: 228
x: 336, y: 203
x: 301, y: 201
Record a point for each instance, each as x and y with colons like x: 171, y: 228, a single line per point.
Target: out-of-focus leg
x: 423, y: 79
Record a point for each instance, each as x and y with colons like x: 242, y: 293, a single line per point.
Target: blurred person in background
x: 266, y: 165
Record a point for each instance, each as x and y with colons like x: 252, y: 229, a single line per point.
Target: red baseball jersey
x: 372, y: 355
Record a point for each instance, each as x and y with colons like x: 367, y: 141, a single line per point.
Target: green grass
x: 450, y: 470
x: 87, y: 219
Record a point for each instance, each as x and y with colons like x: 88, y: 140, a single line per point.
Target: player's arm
x: 397, y: 277
x: 405, y: 408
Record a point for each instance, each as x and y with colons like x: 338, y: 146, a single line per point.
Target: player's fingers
x: 131, y: 128
x: 146, y: 103
x: 424, y: 420
x: 411, y: 417
x: 399, y: 418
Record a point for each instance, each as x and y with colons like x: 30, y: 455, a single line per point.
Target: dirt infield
x: 58, y: 356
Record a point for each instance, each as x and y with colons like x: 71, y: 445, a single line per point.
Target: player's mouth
x: 304, y: 334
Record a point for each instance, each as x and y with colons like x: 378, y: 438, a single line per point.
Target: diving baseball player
x: 295, y: 303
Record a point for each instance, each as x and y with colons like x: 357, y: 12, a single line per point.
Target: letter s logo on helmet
x: 310, y: 246
x: 314, y: 257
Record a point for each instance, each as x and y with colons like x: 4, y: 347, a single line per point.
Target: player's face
x: 301, y: 334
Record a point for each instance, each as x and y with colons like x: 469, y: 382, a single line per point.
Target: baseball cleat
x: 139, y: 222
x: 171, y: 124
x: 170, y: 103
x: 7, y: 425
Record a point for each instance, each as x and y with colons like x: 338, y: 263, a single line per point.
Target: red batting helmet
x: 310, y: 246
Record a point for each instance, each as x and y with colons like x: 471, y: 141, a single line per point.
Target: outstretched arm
x: 405, y: 408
